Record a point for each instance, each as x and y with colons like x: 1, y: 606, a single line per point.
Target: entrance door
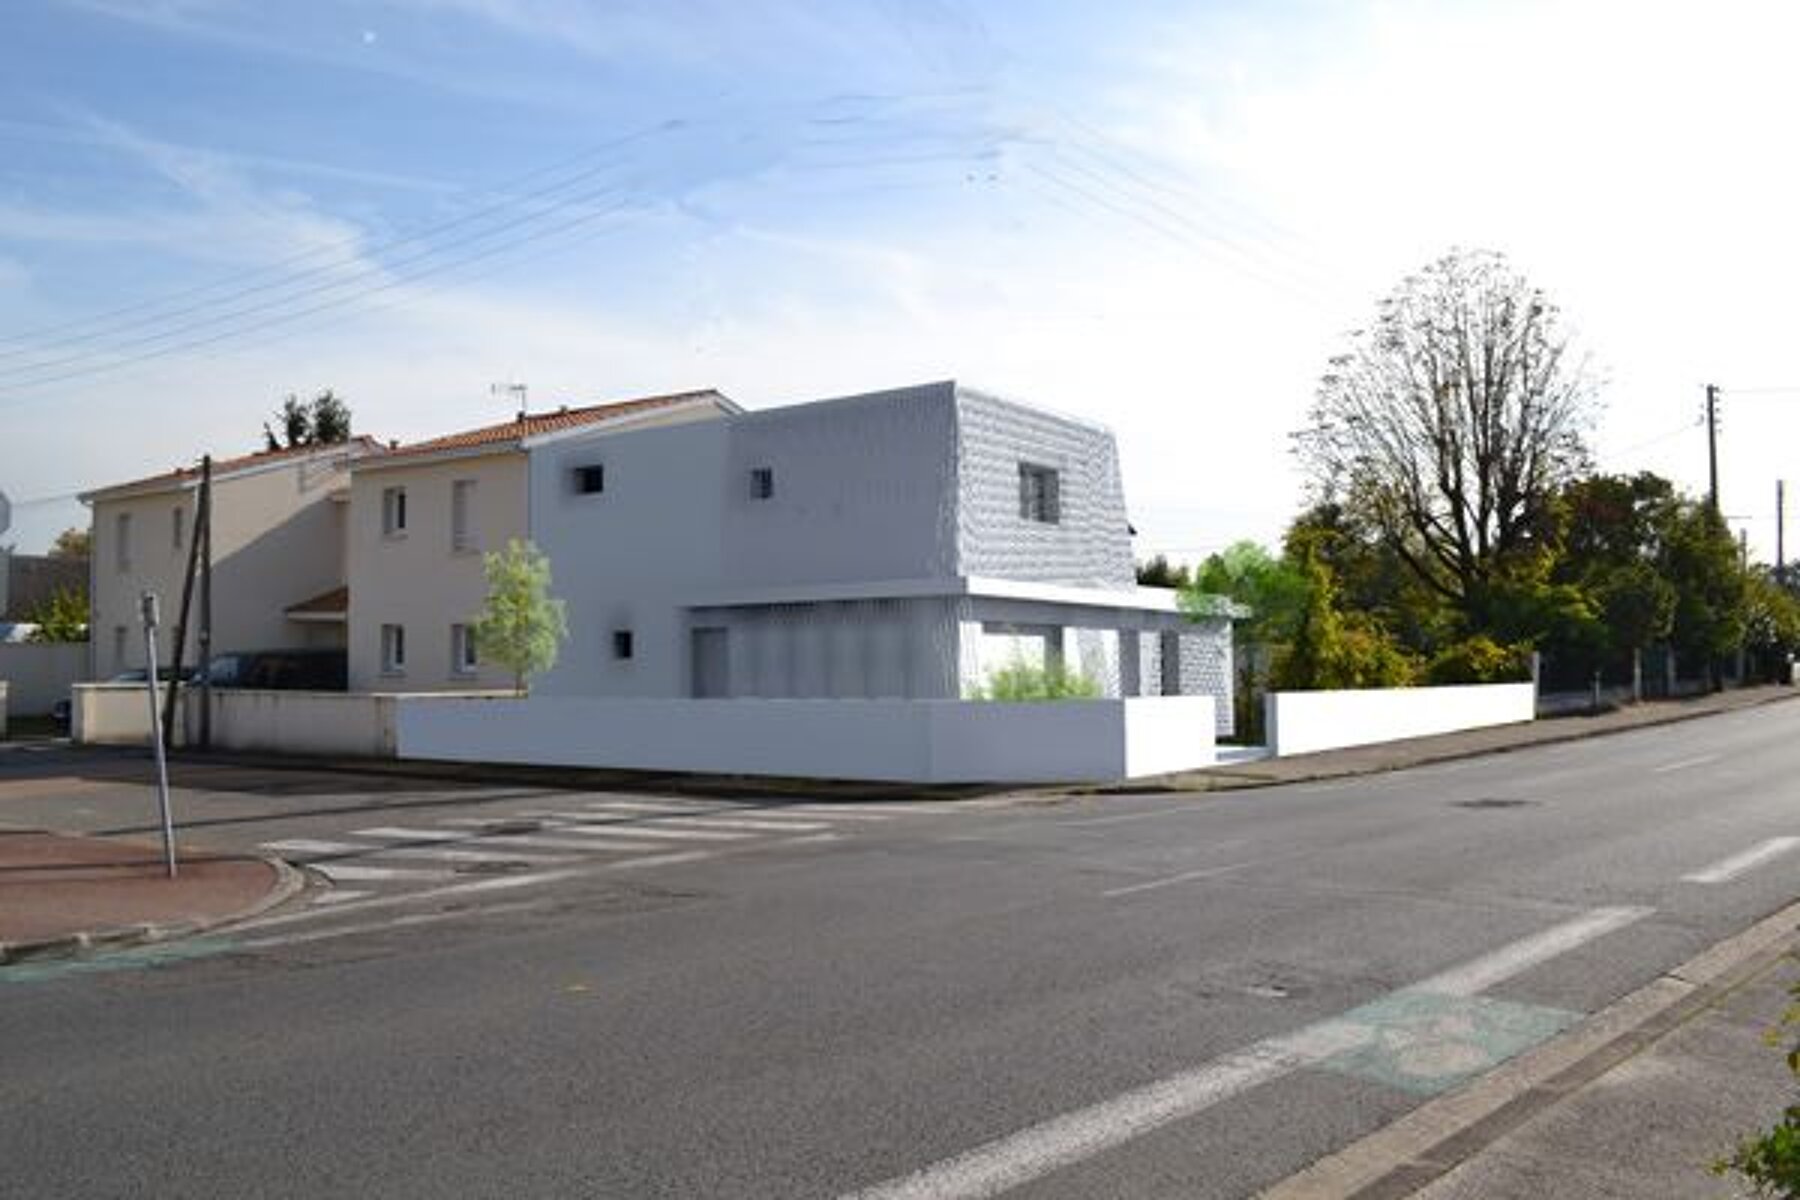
x: 712, y: 663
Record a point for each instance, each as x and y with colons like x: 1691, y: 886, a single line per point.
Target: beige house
x: 420, y: 518
x: 277, y: 550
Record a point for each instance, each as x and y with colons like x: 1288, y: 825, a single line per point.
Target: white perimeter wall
x: 39, y: 675
x: 1302, y: 722
x: 923, y: 741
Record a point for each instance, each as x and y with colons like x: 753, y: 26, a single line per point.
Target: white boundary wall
x: 920, y: 741
x: 1302, y: 722
x: 41, y: 673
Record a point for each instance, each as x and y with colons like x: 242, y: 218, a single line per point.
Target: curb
x: 1441, y: 1134
x: 288, y: 883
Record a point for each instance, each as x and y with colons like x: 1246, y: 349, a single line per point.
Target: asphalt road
x: 1120, y: 996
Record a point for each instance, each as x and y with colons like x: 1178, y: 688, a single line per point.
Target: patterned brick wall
x: 1090, y: 546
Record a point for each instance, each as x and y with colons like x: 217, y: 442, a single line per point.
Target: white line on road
x: 758, y: 825
x: 495, y: 852
x: 394, y: 833
x: 668, y: 806
x: 312, y: 846
x: 507, y: 882
x: 319, y: 935
x: 577, y: 823
x: 1727, y: 869
x: 591, y: 844
x: 355, y: 873
x: 1185, y: 877
x: 1684, y: 764
x: 1032, y: 1153
x: 1130, y: 816
x: 1484, y: 972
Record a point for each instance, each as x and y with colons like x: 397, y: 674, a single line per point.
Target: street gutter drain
x: 1491, y: 802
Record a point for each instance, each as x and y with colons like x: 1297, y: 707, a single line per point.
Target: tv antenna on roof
x: 514, y: 390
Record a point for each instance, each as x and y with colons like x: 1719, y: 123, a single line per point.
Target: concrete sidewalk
x: 1415, y: 752
x: 65, y: 895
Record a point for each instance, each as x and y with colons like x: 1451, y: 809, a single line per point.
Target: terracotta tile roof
x: 535, y: 424
x: 227, y: 466
x: 334, y: 603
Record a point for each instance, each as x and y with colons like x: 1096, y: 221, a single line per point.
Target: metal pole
x: 1781, y: 531
x: 1712, y: 445
x: 156, y: 741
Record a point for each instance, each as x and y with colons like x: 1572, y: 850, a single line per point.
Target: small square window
x: 1040, y: 494
x: 622, y: 646
x: 590, y: 480
x: 393, y: 512
x: 393, y: 649
x: 762, y: 483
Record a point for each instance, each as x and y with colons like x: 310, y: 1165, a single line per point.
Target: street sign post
x: 156, y: 739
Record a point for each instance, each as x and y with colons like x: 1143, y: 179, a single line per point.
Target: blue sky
x: 1163, y: 216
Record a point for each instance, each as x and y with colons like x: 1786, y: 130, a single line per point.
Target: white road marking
x: 311, y: 846
x: 1508, y: 961
x: 394, y: 833
x: 1727, y: 869
x: 1184, y: 877
x: 1684, y: 764
x: 577, y: 823
x: 319, y: 935
x: 355, y: 873
x: 338, y: 896
x: 508, y: 882
x: 467, y: 853
x: 670, y: 806
x: 592, y: 844
x: 1032, y: 1153
x: 1117, y: 818
x: 840, y: 812
x: 758, y: 825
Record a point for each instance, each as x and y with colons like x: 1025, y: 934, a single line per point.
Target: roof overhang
x: 1151, y: 600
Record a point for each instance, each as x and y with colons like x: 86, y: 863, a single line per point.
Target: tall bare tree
x: 1451, y: 423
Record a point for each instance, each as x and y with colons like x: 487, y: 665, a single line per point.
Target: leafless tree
x: 1451, y: 423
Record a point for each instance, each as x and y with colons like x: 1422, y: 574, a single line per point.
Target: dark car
x: 282, y: 670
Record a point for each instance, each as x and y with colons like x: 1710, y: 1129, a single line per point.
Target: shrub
x: 1478, y: 659
x: 1771, y: 1159
x: 1021, y: 681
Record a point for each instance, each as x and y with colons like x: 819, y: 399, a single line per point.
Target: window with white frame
x: 462, y: 515
x: 122, y: 539
x: 178, y: 526
x: 462, y: 650
x: 393, y: 649
x: 1040, y: 493
x: 393, y: 512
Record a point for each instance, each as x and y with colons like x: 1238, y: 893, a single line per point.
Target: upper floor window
x: 178, y: 526
x: 122, y: 538
x: 762, y: 483
x: 462, y: 650
x: 622, y: 644
x: 393, y: 511
x: 462, y: 515
x: 1040, y: 493
x: 590, y: 480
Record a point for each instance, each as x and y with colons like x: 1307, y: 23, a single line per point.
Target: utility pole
x: 1712, y: 446
x: 1781, y: 532
x: 181, y: 623
x: 206, y: 609
x: 148, y: 603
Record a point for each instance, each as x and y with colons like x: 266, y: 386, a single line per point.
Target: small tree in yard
x: 522, y: 625
x: 61, y: 617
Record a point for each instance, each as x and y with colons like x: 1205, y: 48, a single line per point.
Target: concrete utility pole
x: 148, y: 603
x: 1781, y: 531
x: 1712, y: 446
x: 205, y: 663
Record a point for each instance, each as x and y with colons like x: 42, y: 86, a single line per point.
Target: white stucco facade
x: 868, y: 547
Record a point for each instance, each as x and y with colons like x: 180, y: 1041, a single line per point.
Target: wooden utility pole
x: 1781, y: 531
x: 206, y: 608
x: 181, y: 623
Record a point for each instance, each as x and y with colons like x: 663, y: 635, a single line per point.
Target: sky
x: 1162, y: 216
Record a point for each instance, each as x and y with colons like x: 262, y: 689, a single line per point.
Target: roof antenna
x: 515, y: 390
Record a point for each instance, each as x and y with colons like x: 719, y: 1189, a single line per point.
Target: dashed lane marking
x: 339, y: 872
x: 1728, y: 869
x: 1684, y: 764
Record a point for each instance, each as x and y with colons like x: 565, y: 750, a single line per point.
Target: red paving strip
x: 53, y: 886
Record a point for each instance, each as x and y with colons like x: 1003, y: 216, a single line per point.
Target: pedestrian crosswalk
x: 567, y: 833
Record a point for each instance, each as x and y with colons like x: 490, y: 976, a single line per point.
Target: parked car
x: 284, y: 670
x: 139, y: 675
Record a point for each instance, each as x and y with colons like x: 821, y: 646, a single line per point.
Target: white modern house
x: 900, y: 544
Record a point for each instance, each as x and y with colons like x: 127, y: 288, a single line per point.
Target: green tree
x: 1020, y: 681
x: 1333, y: 649
x: 1156, y: 572
x: 293, y: 426
x: 61, y: 617
x: 330, y: 419
x: 1272, y: 588
x: 1699, y: 558
x: 73, y: 542
x: 522, y: 626
x: 1449, y: 426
